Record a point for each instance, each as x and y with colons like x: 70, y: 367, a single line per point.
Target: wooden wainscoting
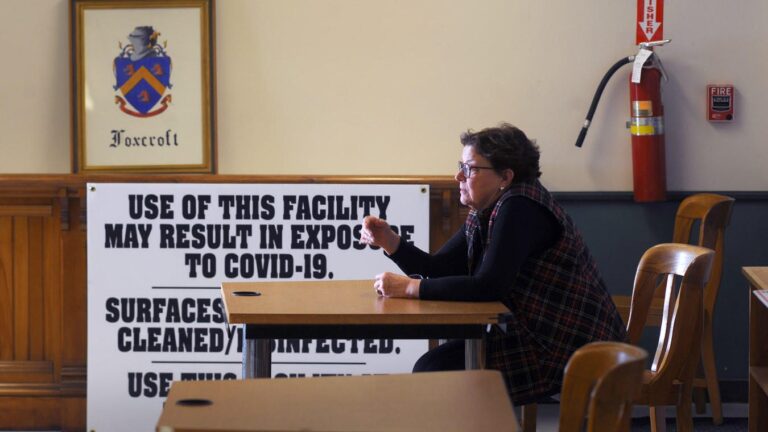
x: 42, y: 307
x: 43, y: 292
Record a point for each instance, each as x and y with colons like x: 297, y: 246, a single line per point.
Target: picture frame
x: 143, y: 86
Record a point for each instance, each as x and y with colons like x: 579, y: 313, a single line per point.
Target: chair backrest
x: 601, y: 381
x: 713, y: 213
x: 683, y: 271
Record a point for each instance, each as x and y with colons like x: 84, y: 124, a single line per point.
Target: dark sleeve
x: 522, y: 228
x: 451, y: 259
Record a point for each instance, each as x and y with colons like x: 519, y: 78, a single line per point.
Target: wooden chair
x: 528, y: 414
x: 713, y: 213
x: 682, y: 271
x: 601, y: 381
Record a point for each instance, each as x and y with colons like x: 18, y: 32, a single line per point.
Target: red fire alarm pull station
x: 720, y: 103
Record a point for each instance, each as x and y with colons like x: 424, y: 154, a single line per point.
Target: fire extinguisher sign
x: 650, y: 20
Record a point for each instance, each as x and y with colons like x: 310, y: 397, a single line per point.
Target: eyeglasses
x: 466, y: 168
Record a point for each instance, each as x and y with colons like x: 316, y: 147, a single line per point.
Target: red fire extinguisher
x: 646, y: 124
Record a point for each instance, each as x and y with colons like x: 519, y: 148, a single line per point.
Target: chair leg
x: 658, y: 419
x: 529, y: 417
x: 710, y: 375
x: 699, y: 400
x: 684, y: 419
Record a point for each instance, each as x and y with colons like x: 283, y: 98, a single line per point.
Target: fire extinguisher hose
x: 598, y: 93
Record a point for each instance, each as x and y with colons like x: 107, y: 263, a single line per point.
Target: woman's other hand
x: 394, y: 285
x: 376, y: 232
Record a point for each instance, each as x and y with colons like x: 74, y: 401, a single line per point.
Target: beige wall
x: 385, y: 87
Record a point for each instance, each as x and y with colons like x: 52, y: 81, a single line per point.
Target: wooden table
x: 347, y: 310
x: 439, y: 401
x: 758, y: 347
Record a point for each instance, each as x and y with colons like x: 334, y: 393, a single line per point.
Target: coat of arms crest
x: 143, y: 74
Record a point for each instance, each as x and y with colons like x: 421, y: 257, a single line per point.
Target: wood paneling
x: 23, y: 296
x: 6, y: 288
x: 30, y: 412
x: 35, y: 286
x: 30, y: 284
x: 21, y: 288
x: 43, y: 292
x: 34, y: 219
x: 26, y: 210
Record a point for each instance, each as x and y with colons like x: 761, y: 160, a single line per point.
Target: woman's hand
x: 377, y: 232
x: 394, y: 285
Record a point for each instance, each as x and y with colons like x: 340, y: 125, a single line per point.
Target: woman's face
x: 483, y: 186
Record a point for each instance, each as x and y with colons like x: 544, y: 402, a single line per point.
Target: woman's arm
x: 522, y: 228
x: 451, y: 259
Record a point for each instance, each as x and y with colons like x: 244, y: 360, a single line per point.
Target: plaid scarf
x: 473, y: 229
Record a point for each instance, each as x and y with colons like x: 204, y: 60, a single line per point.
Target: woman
x: 517, y: 246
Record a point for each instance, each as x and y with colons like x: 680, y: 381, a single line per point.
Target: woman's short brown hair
x: 506, y: 146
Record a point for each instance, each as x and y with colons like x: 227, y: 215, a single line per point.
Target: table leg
x: 474, y: 354
x: 257, y: 358
x: 263, y: 358
x: 249, y: 357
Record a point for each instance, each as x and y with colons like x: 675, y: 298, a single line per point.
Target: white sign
x: 157, y: 254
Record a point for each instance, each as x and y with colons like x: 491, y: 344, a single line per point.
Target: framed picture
x: 143, y: 94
